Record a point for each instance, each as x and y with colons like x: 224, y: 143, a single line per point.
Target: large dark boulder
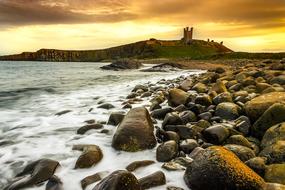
x: 135, y: 132
x: 119, y: 180
x: 166, y: 151
x: 228, y: 110
x: 273, y: 115
x: 216, y: 168
x: 122, y: 65
x: 257, y: 106
x: 34, y: 174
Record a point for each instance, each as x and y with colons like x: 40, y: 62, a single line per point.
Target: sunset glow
x: 243, y: 25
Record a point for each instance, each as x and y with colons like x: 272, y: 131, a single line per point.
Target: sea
x: 31, y: 93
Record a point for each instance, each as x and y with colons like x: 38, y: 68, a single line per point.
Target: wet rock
x: 138, y: 164
x: 203, y: 99
x: 187, y: 117
x: 275, y: 173
x: 260, y: 87
x: 257, y: 106
x: 90, y: 121
x: 106, y: 106
x: 227, y: 110
x: 219, y: 87
x: 34, y: 174
x: 243, y: 125
x: 216, y: 134
x: 135, y: 132
x: 132, y: 95
x: 273, y: 115
x: 63, y: 112
x: 205, y: 116
x: 274, y: 186
x: 161, y: 113
x: 274, y: 153
x: 273, y: 134
x: 171, y: 135
x: 140, y: 87
x: 85, y: 128
x: 116, y: 118
x: 217, y: 168
x: 166, y: 151
x: 146, y: 94
x: 188, y: 145
x: 119, y: 180
x: 184, y: 132
x: 238, y: 140
x: 90, y: 180
x: 172, y: 119
x: 244, y: 153
x: 127, y: 106
x: 54, y: 183
x: 173, y: 188
x: 177, y: 97
x: 200, y: 88
x: 257, y: 164
x: 220, y: 70
x: 122, y: 65
x: 223, y: 97
x: 186, y: 85
x: 91, y: 155
x: 152, y: 180
x: 278, y: 80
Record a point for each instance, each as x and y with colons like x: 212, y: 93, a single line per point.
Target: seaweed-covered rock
x: 135, y: 132
x: 217, y: 168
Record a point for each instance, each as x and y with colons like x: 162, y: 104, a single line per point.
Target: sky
x: 243, y: 25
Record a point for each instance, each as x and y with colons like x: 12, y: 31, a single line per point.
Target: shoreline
x: 215, y: 110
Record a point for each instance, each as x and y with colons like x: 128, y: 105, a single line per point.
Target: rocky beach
x: 216, y: 129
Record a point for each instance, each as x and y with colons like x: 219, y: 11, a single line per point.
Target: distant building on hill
x: 188, y: 35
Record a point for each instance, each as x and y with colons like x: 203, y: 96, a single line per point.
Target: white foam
x: 38, y: 133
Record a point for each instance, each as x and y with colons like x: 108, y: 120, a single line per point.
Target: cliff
x: 144, y: 49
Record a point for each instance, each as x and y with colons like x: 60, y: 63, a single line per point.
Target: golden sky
x: 243, y: 25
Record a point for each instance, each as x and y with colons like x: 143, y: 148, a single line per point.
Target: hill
x: 152, y: 48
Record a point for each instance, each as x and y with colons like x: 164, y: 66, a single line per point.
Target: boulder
x: 166, y: 151
x: 106, y: 106
x: 273, y: 134
x: 122, y: 65
x: 216, y: 134
x: 187, y: 117
x: 119, y: 180
x: 135, y: 132
x: 161, y: 113
x: 228, y: 110
x: 274, y: 186
x: 275, y: 173
x: 238, y: 140
x: 257, y: 164
x: 219, y: 87
x: 216, y: 168
x: 203, y: 99
x: 257, y: 106
x: 274, y: 153
x: 54, y: 183
x: 223, y: 97
x: 34, y: 174
x: 278, y: 80
x: 152, y: 180
x: 138, y: 164
x: 177, y: 97
x: 273, y: 115
x: 91, y: 155
x: 242, y: 152
x: 188, y: 145
x: 91, y: 179
x: 186, y: 85
x: 172, y: 119
x: 184, y: 131
x: 85, y: 128
x: 116, y: 118
x: 200, y: 88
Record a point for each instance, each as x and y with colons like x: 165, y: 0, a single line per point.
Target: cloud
x: 41, y: 12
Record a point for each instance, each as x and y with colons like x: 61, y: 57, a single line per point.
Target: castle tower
x: 188, y: 35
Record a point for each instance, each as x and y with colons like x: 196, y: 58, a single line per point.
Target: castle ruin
x: 188, y: 35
